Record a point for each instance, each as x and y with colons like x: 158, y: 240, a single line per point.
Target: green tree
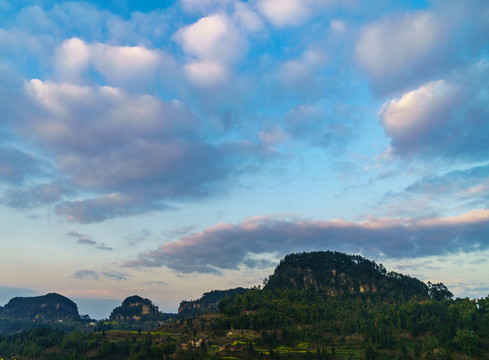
x: 467, y: 340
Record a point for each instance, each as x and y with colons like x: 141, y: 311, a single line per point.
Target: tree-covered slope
x: 209, y: 301
x: 47, y: 307
x: 136, y: 308
x: 335, y: 273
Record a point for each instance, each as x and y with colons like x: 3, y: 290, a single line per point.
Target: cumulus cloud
x: 121, y: 66
x: 214, y: 43
x: 227, y: 246
x: 444, y: 119
x: 399, y: 47
x: 403, y: 50
x: 206, y: 74
x: 212, y: 38
x: 286, y: 12
x: 134, y: 153
x: 72, y: 59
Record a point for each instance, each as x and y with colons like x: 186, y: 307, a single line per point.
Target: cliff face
x: 136, y: 308
x: 335, y: 273
x: 208, y: 302
x: 47, y: 307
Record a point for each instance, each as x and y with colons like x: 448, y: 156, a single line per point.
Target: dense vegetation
x: 208, y: 302
x: 51, y: 306
x: 138, y: 308
x: 321, y: 305
x: 54, y: 310
x: 334, y: 273
x: 54, y: 344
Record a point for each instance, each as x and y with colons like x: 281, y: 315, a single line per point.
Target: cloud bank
x: 229, y: 247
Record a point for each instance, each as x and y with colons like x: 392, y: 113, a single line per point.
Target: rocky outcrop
x: 51, y: 307
x: 335, y: 273
x: 136, y: 308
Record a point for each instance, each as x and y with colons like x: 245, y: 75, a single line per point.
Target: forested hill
x: 47, y: 307
x: 208, y: 302
x: 335, y: 273
x: 136, y: 308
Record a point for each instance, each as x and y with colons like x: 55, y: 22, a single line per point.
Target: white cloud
x: 285, y: 12
x: 393, y: 43
x: 212, y: 38
x: 131, y: 153
x: 247, y: 18
x: 215, y: 44
x: 206, y: 74
x: 119, y: 65
x: 441, y: 119
x: 400, y: 46
x: 102, y: 126
x: 418, y: 111
x: 402, y: 50
x: 338, y: 26
x: 72, y: 58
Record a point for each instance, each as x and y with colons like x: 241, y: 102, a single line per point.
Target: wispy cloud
x: 81, y: 274
x: 90, y: 274
x: 87, y: 240
x: 116, y: 275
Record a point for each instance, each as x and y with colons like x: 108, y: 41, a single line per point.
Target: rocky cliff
x: 335, y: 273
x: 136, y: 308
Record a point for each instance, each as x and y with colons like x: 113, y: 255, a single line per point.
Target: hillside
x: 208, y: 302
x: 320, y: 305
x: 51, y: 307
x: 335, y: 273
x: 136, y: 308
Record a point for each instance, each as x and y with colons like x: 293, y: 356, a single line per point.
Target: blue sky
x: 176, y: 147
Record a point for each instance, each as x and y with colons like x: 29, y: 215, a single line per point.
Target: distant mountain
x: 335, y: 273
x: 136, y: 308
x: 50, y: 307
x: 209, y: 301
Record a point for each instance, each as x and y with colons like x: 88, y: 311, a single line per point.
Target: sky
x: 169, y: 148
